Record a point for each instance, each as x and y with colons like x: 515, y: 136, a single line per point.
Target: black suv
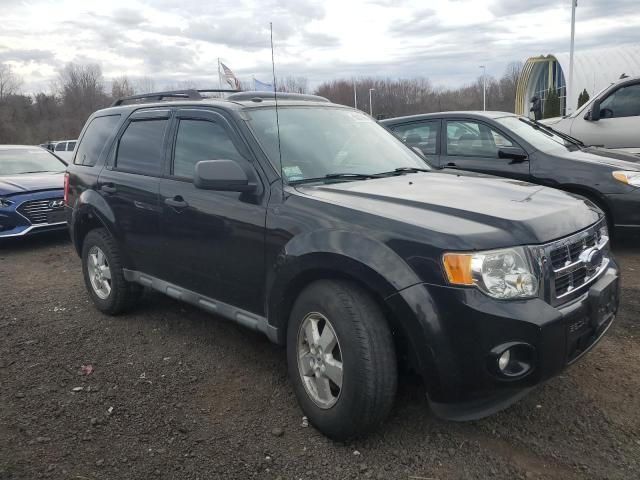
x: 311, y: 223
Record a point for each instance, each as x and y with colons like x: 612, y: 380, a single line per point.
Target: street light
x: 484, y: 87
x: 371, y: 102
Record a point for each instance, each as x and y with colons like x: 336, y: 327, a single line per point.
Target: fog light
x: 503, y: 361
x: 512, y: 360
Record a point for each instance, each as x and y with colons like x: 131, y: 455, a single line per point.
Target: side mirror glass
x: 222, y: 175
x: 516, y: 154
x: 594, y: 114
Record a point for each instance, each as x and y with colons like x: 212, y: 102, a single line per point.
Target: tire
x: 121, y: 295
x: 365, y: 351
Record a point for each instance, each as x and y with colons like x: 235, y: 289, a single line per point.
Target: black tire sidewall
x: 341, y: 420
x: 96, y: 238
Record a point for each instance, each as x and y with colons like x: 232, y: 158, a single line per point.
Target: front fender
x: 339, y: 253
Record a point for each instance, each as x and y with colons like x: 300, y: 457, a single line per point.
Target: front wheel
x: 341, y: 359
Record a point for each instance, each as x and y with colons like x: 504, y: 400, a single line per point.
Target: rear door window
x: 71, y: 146
x: 94, y: 139
x: 140, y: 147
x: 61, y: 147
x: 201, y: 140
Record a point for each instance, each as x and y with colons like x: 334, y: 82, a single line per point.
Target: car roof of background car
x: 21, y: 147
x: 477, y: 114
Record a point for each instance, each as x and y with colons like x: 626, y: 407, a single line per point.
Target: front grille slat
x: 37, y: 211
x: 569, y: 270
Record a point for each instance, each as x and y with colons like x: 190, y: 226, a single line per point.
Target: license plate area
x: 603, y: 301
x: 56, y: 216
x: 601, y: 307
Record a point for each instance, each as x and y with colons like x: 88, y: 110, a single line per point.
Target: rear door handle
x: 451, y: 165
x: 176, y: 202
x: 108, y: 188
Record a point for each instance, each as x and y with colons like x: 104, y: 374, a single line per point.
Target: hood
x: 616, y: 159
x: 30, y: 182
x: 463, y: 210
x: 551, y: 121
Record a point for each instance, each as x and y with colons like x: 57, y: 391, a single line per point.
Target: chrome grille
x: 38, y: 211
x: 573, y: 262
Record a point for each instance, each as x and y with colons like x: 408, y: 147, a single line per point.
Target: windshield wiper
x: 562, y: 135
x: 334, y: 176
x: 547, y: 130
x: 36, y: 171
x: 401, y: 171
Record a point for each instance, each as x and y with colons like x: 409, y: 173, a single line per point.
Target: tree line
x: 79, y: 90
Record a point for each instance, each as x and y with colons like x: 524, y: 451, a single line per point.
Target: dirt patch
x: 177, y: 393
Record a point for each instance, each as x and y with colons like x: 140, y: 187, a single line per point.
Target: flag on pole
x: 229, y: 77
x: 262, y: 86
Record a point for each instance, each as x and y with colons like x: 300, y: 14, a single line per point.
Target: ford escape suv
x: 309, y: 222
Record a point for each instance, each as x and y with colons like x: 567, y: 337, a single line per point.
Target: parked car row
x: 62, y: 148
x: 311, y: 223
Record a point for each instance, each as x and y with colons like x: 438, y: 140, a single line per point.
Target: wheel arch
x: 91, y: 212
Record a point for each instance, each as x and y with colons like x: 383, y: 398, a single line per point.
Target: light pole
x: 371, y: 102
x: 568, y: 94
x: 484, y: 87
x: 355, y: 95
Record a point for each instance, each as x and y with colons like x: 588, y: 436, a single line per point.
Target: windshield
x: 539, y: 138
x: 316, y: 142
x: 28, y: 160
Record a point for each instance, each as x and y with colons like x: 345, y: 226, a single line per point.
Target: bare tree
x: 9, y: 82
x: 121, y: 87
x: 144, y: 85
x: 81, y: 90
x: 293, y: 84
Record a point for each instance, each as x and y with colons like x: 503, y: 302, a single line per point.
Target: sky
x: 177, y: 41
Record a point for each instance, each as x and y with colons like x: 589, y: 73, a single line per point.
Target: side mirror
x: 514, y: 153
x: 594, y: 114
x: 222, y: 175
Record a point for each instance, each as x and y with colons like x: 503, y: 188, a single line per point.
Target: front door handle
x: 176, y: 202
x: 451, y: 165
x: 108, y: 188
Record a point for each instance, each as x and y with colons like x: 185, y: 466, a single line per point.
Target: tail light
x: 66, y: 188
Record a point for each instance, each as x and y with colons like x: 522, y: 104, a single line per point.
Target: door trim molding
x: 211, y: 305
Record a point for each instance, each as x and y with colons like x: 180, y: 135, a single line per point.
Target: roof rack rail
x: 190, y: 94
x: 259, y: 96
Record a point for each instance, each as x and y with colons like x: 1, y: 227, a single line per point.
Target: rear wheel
x: 104, y: 276
x: 341, y: 359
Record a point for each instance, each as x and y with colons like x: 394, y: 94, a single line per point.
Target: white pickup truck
x: 611, y: 119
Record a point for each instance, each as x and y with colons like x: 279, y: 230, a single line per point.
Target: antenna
x: 275, y: 96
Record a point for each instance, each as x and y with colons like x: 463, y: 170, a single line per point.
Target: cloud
x: 174, y: 41
x: 26, y: 55
x: 127, y: 17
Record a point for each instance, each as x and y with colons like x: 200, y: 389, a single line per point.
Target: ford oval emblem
x: 592, y: 259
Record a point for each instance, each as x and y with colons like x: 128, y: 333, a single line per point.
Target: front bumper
x: 625, y: 208
x: 18, y: 221
x: 462, y: 328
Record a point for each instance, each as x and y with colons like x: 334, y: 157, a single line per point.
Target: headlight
x: 503, y: 274
x: 629, y: 177
x: 5, y: 203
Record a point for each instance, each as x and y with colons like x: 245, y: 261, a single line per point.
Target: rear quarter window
x: 95, y: 137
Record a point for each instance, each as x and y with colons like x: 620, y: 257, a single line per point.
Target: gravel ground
x: 175, y: 393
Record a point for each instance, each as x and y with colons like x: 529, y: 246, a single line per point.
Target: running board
x: 242, y: 317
